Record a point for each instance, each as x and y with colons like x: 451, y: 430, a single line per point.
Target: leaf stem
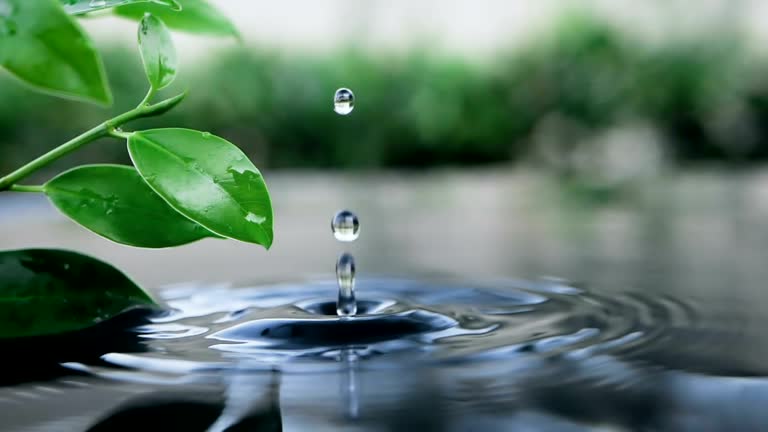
x: 106, y: 128
x: 66, y: 148
x: 26, y: 188
x: 117, y: 133
x: 148, y: 97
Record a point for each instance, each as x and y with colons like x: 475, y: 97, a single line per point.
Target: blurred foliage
x: 707, y: 98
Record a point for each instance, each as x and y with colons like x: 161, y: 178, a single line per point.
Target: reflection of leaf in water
x: 191, y: 411
x: 38, y: 358
x: 249, y: 406
x: 162, y: 412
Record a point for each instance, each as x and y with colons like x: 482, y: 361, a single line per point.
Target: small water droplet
x: 206, y: 134
x: 345, y: 276
x: 254, y: 218
x: 345, y: 226
x: 97, y: 3
x: 343, y: 101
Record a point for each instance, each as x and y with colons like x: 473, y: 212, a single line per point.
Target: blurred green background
x: 581, y: 97
x: 597, y: 140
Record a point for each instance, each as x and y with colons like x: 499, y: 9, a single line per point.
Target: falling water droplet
x: 345, y: 276
x: 343, y: 101
x: 345, y: 226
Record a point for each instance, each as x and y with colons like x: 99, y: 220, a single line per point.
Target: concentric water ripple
x: 295, y: 327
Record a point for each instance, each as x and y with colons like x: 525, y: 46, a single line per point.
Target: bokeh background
x: 616, y: 143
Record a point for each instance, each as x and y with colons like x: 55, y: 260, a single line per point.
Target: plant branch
x: 26, y: 188
x: 106, y: 128
x: 66, y: 148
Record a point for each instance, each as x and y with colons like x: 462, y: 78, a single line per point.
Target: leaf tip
x: 106, y: 99
x: 268, y: 244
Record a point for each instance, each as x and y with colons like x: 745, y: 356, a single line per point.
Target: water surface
x: 654, y: 321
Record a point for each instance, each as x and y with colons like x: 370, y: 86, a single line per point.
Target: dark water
x: 659, y: 327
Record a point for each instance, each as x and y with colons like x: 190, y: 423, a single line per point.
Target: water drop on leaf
x: 252, y: 217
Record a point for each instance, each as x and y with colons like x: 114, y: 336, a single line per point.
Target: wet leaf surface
x: 45, y: 292
x: 207, y: 179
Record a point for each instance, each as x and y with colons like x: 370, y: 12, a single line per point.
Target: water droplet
x: 97, y: 3
x: 345, y: 226
x: 252, y: 217
x: 345, y: 276
x: 343, y: 101
x: 206, y: 134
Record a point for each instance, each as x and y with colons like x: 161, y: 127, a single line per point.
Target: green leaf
x: 157, y: 52
x: 115, y: 202
x: 77, y: 7
x: 54, y: 291
x: 195, y: 16
x: 44, y: 47
x: 207, y: 179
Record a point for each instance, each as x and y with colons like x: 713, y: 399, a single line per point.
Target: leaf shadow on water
x: 40, y: 358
